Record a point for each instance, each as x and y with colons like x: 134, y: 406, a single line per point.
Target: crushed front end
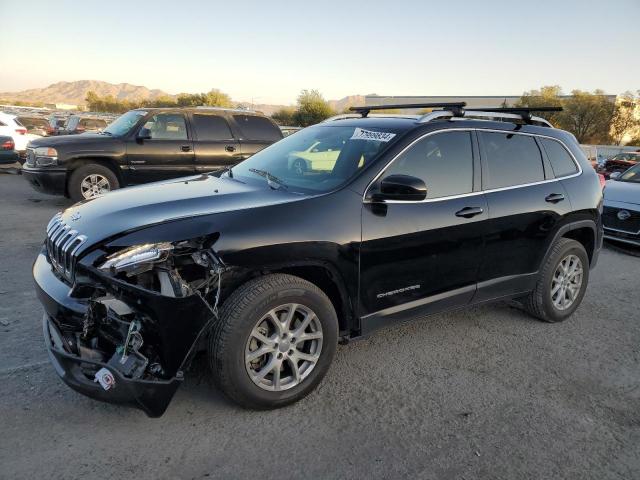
x: 121, y: 324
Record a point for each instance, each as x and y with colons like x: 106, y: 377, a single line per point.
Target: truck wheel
x: 90, y: 181
x: 274, y: 341
x: 561, y: 284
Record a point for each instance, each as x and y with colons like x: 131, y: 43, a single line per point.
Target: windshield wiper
x: 273, y: 181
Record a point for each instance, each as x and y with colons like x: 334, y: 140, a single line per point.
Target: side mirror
x: 144, y: 134
x: 615, y: 175
x: 402, y: 187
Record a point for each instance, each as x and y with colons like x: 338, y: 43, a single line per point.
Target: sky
x: 267, y: 51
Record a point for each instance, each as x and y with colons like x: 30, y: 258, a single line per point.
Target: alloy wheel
x: 566, y: 282
x: 284, y: 347
x: 94, y: 185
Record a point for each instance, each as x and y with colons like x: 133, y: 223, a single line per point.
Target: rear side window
x: 211, y: 128
x: 561, y: 161
x: 511, y: 160
x: 444, y: 162
x: 257, y: 128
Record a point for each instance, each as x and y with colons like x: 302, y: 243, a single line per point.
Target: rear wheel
x: 274, y: 341
x: 90, y: 181
x: 562, y: 282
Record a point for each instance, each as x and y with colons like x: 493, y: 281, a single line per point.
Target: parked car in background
x: 81, y: 124
x: 36, y: 125
x: 146, y: 145
x: 268, y: 269
x: 8, y: 152
x: 621, y: 214
x: 10, y: 126
x: 619, y: 163
x: 56, y: 125
x: 319, y: 156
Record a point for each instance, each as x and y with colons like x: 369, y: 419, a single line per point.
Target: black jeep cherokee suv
x: 268, y: 267
x: 146, y: 145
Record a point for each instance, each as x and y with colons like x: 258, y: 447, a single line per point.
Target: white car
x: 10, y: 127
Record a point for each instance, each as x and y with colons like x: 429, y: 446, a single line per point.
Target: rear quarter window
x: 510, y: 160
x: 211, y: 128
x: 257, y: 128
x: 561, y: 161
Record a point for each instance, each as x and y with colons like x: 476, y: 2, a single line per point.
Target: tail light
x: 602, y: 180
x: 80, y: 129
x: 8, y: 145
x: 49, y: 129
x: 21, y: 131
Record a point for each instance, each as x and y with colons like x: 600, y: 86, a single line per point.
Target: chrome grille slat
x: 62, y: 244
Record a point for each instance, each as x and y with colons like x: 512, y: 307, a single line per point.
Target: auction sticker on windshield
x: 362, y: 134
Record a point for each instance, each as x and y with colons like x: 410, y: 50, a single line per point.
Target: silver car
x: 621, y: 215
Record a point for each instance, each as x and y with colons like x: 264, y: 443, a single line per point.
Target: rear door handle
x: 554, y: 198
x: 468, y: 212
x: 185, y: 148
x: 230, y: 148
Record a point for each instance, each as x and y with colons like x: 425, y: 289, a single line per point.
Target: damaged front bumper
x: 117, y: 342
x: 152, y: 397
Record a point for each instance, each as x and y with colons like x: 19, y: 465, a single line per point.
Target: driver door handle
x: 554, y: 198
x: 185, y: 148
x: 468, y: 212
x: 230, y: 148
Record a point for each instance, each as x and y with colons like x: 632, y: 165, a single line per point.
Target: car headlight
x: 46, y: 156
x: 138, y: 258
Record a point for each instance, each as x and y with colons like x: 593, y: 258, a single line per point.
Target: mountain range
x: 74, y: 93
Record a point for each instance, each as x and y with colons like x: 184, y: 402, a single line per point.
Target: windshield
x: 316, y: 159
x: 631, y: 175
x: 124, y: 123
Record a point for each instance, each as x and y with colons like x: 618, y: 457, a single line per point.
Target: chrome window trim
x: 481, y: 191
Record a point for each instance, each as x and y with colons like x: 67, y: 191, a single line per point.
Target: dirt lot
x: 482, y: 393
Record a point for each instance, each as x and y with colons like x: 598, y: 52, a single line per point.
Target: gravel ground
x: 480, y: 393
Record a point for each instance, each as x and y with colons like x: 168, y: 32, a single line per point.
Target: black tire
x: 239, y: 315
x: 84, y: 171
x: 539, y: 302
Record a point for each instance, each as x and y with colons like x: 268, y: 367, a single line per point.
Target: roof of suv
x: 200, y: 109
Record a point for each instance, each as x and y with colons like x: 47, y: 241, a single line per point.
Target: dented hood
x: 128, y: 209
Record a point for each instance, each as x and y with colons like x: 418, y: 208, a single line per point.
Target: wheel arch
x: 76, y: 163
x: 583, y: 231
x: 322, y: 274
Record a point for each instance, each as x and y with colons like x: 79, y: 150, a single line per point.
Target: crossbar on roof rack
x: 364, y: 110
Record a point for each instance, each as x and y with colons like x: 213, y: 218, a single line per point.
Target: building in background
x: 63, y: 106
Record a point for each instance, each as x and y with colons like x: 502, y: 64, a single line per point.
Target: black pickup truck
x: 146, y: 145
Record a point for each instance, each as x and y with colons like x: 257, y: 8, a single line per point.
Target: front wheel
x: 562, y: 282
x: 274, y: 341
x: 90, y: 181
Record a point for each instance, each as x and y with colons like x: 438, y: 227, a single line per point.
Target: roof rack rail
x: 524, y: 112
x: 519, y: 113
x: 452, y: 106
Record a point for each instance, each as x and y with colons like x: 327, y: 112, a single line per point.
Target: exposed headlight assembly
x: 137, y: 259
x: 46, y: 156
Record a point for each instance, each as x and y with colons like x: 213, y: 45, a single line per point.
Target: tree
x: 624, y: 121
x: 312, y: 108
x: 547, y: 96
x: 216, y: 98
x: 588, y: 116
x: 285, y: 116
